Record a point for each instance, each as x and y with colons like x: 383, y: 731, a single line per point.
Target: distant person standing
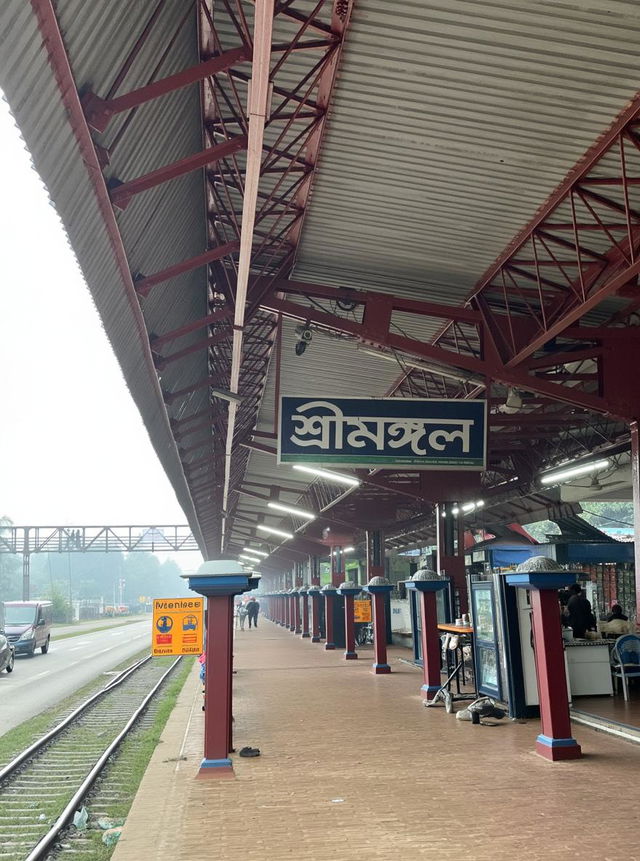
x: 581, y: 619
x: 243, y: 612
x: 253, y: 608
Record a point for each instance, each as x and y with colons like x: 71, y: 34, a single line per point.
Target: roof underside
x: 447, y: 128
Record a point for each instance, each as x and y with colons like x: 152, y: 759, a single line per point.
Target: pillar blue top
x: 348, y: 588
x: 222, y: 577
x: 540, y: 572
x: 426, y: 585
x: 533, y: 580
x: 378, y: 586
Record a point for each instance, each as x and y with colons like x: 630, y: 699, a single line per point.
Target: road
x: 40, y: 682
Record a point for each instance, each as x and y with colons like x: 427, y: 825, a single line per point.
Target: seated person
x: 616, y: 613
x: 617, y: 623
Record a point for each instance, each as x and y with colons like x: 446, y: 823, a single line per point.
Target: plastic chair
x: 625, y: 660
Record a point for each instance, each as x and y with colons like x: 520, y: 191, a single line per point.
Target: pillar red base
x: 556, y: 750
x: 351, y: 656
x: 380, y: 669
x: 205, y: 772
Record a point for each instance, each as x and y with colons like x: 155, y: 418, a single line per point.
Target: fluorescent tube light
x: 336, y: 477
x: 253, y: 559
x: 290, y: 509
x: 348, y: 549
x: 570, y: 472
x: 255, y: 552
x: 271, y: 531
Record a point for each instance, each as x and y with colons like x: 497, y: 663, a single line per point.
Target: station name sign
x: 383, y: 432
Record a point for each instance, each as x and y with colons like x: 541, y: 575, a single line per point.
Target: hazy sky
x: 73, y: 449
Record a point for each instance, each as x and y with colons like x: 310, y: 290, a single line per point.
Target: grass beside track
x: 129, y: 767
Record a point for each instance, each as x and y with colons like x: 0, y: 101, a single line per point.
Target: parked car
x: 28, y: 625
x: 7, y: 651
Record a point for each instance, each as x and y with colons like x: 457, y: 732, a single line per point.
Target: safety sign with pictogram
x: 178, y: 625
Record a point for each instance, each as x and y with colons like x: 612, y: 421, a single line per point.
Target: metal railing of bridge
x: 96, y: 539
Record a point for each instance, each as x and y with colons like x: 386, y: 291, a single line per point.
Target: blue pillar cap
x: 348, y: 588
x: 540, y: 572
x: 378, y: 586
x: 222, y: 577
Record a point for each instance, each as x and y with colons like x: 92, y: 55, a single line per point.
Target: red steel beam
x: 144, y: 283
x: 215, y: 317
x: 363, y: 297
x: 610, y: 287
x: 203, y: 343
x: 492, y: 369
x: 122, y: 193
x: 99, y: 111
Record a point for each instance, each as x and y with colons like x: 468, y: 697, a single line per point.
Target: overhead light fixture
x: 290, y: 509
x: 466, y: 508
x: 348, y: 549
x: 336, y: 477
x: 471, y: 506
x: 513, y: 403
x: 570, y: 472
x: 253, y: 559
x: 226, y: 395
x: 271, y: 531
x: 255, y: 552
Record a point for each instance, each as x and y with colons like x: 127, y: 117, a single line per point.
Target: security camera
x: 304, y: 333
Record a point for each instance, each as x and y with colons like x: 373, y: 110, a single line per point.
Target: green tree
x: 61, y: 606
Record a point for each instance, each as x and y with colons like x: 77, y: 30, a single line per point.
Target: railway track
x: 43, y: 787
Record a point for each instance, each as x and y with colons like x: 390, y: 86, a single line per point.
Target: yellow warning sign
x: 178, y: 625
x: 362, y: 611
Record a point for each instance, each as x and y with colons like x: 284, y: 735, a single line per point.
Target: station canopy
x: 444, y: 197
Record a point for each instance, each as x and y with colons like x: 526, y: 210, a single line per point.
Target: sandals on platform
x: 249, y: 751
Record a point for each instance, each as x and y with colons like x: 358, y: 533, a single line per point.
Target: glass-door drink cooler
x: 486, y: 652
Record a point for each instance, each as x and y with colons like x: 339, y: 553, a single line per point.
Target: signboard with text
x: 362, y: 611
x: 383, y: 432
x: 178, y: 626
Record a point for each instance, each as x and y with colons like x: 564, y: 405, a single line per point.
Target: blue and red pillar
x: 315, y: 596
x: 379, y: 588
x: 304, y: 593
x: 427, y: 584
x: 295, y: 622
x: 349, y: 590
x: 219, y: 582
x: 541, y: 576
x: 329, y: 593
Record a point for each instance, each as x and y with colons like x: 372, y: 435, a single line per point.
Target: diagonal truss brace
x: 374, y: 330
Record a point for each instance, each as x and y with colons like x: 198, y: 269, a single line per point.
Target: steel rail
x: 28, y: 752
x: 44, y: 844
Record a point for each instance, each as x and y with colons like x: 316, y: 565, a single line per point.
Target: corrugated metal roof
x: 451, y: 123
x: 32, y: 92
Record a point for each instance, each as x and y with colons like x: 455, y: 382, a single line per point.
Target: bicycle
x: 364, y: 634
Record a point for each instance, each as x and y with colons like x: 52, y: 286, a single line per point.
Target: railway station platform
x: 354, y: 767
